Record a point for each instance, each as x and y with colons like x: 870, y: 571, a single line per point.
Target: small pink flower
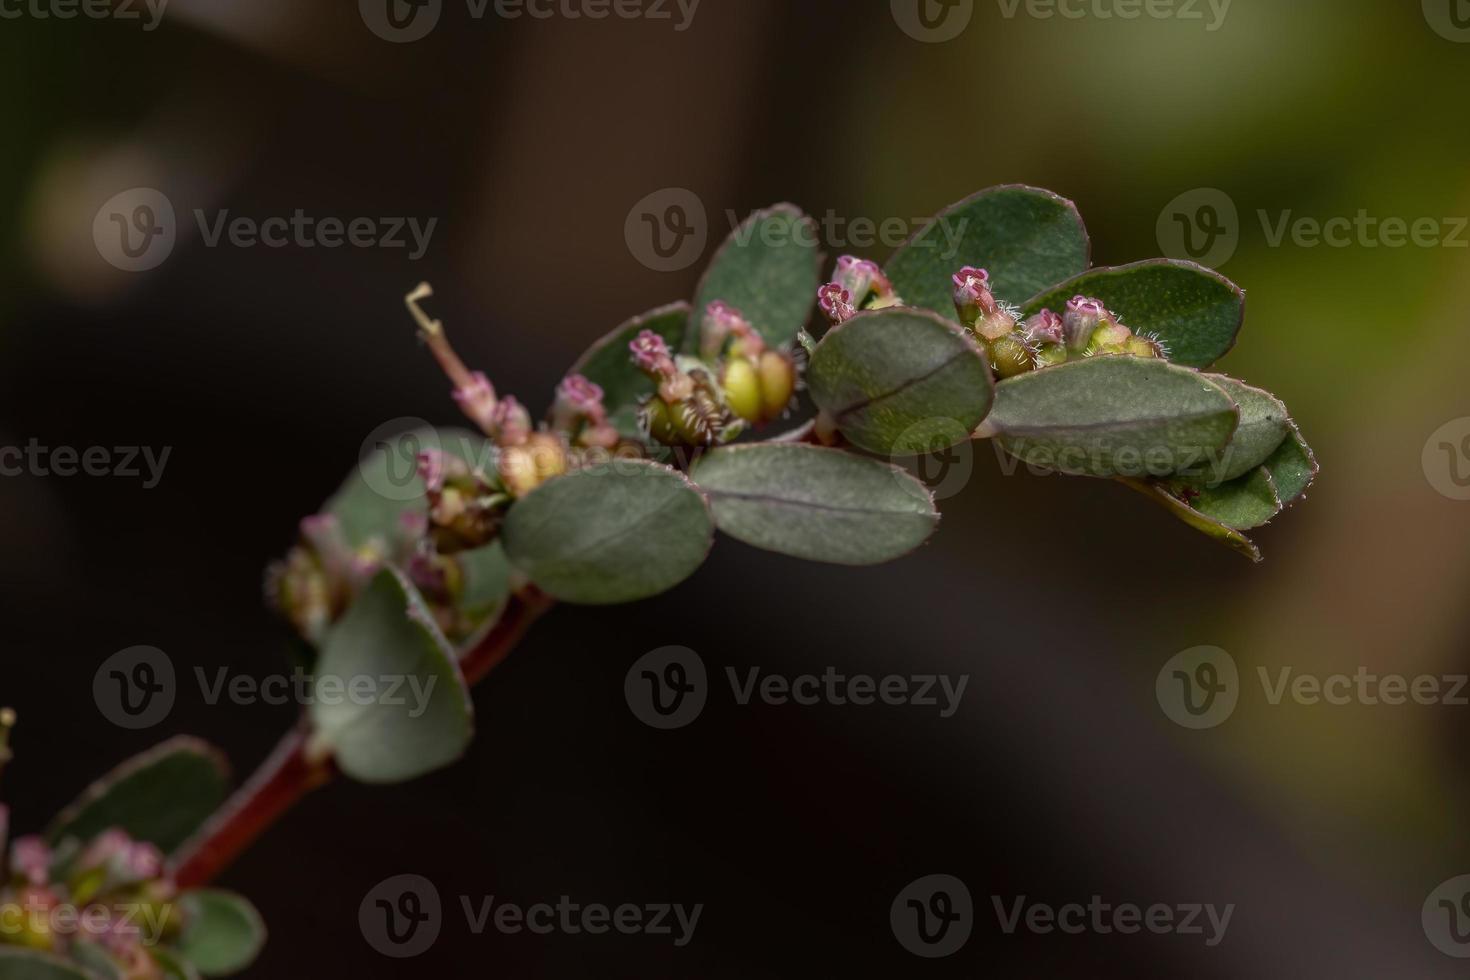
x: 511, y: 422
x: 651, y: 354
x: 972, y: 297
x: 576, y: 397
x: 1045, y: 328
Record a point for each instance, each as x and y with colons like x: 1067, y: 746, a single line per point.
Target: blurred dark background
x: 530, y: 140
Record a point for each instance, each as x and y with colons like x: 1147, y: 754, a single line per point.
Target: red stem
x: 292, y: 771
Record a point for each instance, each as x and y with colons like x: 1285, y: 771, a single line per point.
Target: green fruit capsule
x: 742, y: 387
x: 1009, y: 356
x: 659, y: 420
x: 778, y: 383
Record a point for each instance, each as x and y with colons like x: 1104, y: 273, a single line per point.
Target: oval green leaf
x: 223, y: 933
x: 609, y: 363
x: 618, y: 532
x: 1025, y: 237
x: 1264, y: 424
x: 25, y: 964
x: 817, y: 504
x: 769, y: 269
x: 161, y: 796
x: 1113, y: 417
x: 1195, y: 311
x: 1244, y: 504
x: 389, y: 700
x: 901, y: 382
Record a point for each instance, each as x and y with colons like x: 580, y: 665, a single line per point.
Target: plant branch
x: 293, y: 769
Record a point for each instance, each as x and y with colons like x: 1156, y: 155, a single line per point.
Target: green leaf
x: 1113, y: 416
x: 1293, y: 467
x: 901, y: 381
x: 1194, y: 311
x: 1264, y: 423
x: 162, y: 796
x: 385, y: 486
x: 1026, y: 238
x: 25, y: 964
x: 417, y: 715
x: 95, y: 960
x: 817, y: 504
x: 223, y: 933
x: 617, y: 532
x: 1243, y: 504
x: 609, y: 364
x: 769, y: 269
x: 1227, y: 536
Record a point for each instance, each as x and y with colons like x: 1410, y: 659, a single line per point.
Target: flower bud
x: 577, y: 400
x: 512, y: 423
x: 720, y: 321
x: 1010, y: 356
x: 747, y: 340
x: 778, y: 383
x: 1081, y: 321
x: 30, y: 859
x: 836, y: 303
x: 742, y: 389
x: 862, y: 280
x: 1045, y: 328
x: 524, y: 468
x: 477, y: 400
x: 972, y: 297
x: 651, y: 355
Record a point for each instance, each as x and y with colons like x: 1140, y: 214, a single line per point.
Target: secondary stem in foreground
x: 291, y: 771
